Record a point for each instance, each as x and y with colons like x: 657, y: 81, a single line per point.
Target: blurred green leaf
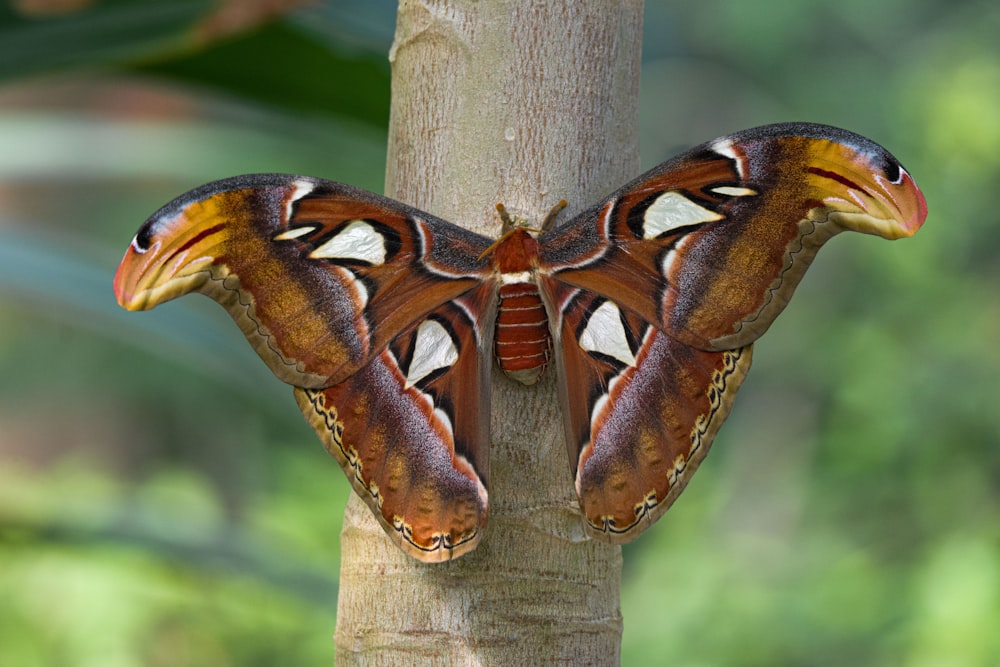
x: 349, y: 25
x: 280, y: 66
x: 106, y: 33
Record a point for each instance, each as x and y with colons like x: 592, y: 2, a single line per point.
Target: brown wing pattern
x: 411, y: 429
x: 710, y: 245
x: 656, y: 294
x: 378, y: 314
x: 640, y: 408
x: 319, y: 276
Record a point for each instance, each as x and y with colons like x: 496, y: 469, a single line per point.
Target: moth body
x: 522, y: 343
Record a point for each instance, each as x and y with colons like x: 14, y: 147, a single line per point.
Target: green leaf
x: 280, y: 66
x: 102, y: 35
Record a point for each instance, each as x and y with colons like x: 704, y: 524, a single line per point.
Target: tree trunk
x: 523, y: 103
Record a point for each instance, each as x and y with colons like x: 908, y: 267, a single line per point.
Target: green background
x: 162, y: 502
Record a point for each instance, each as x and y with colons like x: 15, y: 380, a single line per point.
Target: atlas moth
x: 386, y: 319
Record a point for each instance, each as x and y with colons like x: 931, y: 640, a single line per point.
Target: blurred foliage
x: 163, y: 503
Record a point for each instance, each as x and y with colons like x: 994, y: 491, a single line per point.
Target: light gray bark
x: 523, y: 103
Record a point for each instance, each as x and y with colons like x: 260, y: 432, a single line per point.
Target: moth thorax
x: 515, y: 252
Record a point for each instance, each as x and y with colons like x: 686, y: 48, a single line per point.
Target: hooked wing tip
x: 124, y: 284
x: 912, y: 207
x: 898, y: 207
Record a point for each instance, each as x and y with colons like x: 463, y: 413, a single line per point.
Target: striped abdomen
x: 522, y: 341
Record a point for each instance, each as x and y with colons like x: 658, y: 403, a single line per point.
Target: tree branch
x: 523, y: 103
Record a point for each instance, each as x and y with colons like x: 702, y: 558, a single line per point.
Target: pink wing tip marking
x: 910, y: 203
x: 123, y: 286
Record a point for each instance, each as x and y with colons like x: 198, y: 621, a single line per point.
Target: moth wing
x: 640, y: 408
x: 411, y: 428
x: 710, y: 245
x: 656, y: 294
x: 319, y: 276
